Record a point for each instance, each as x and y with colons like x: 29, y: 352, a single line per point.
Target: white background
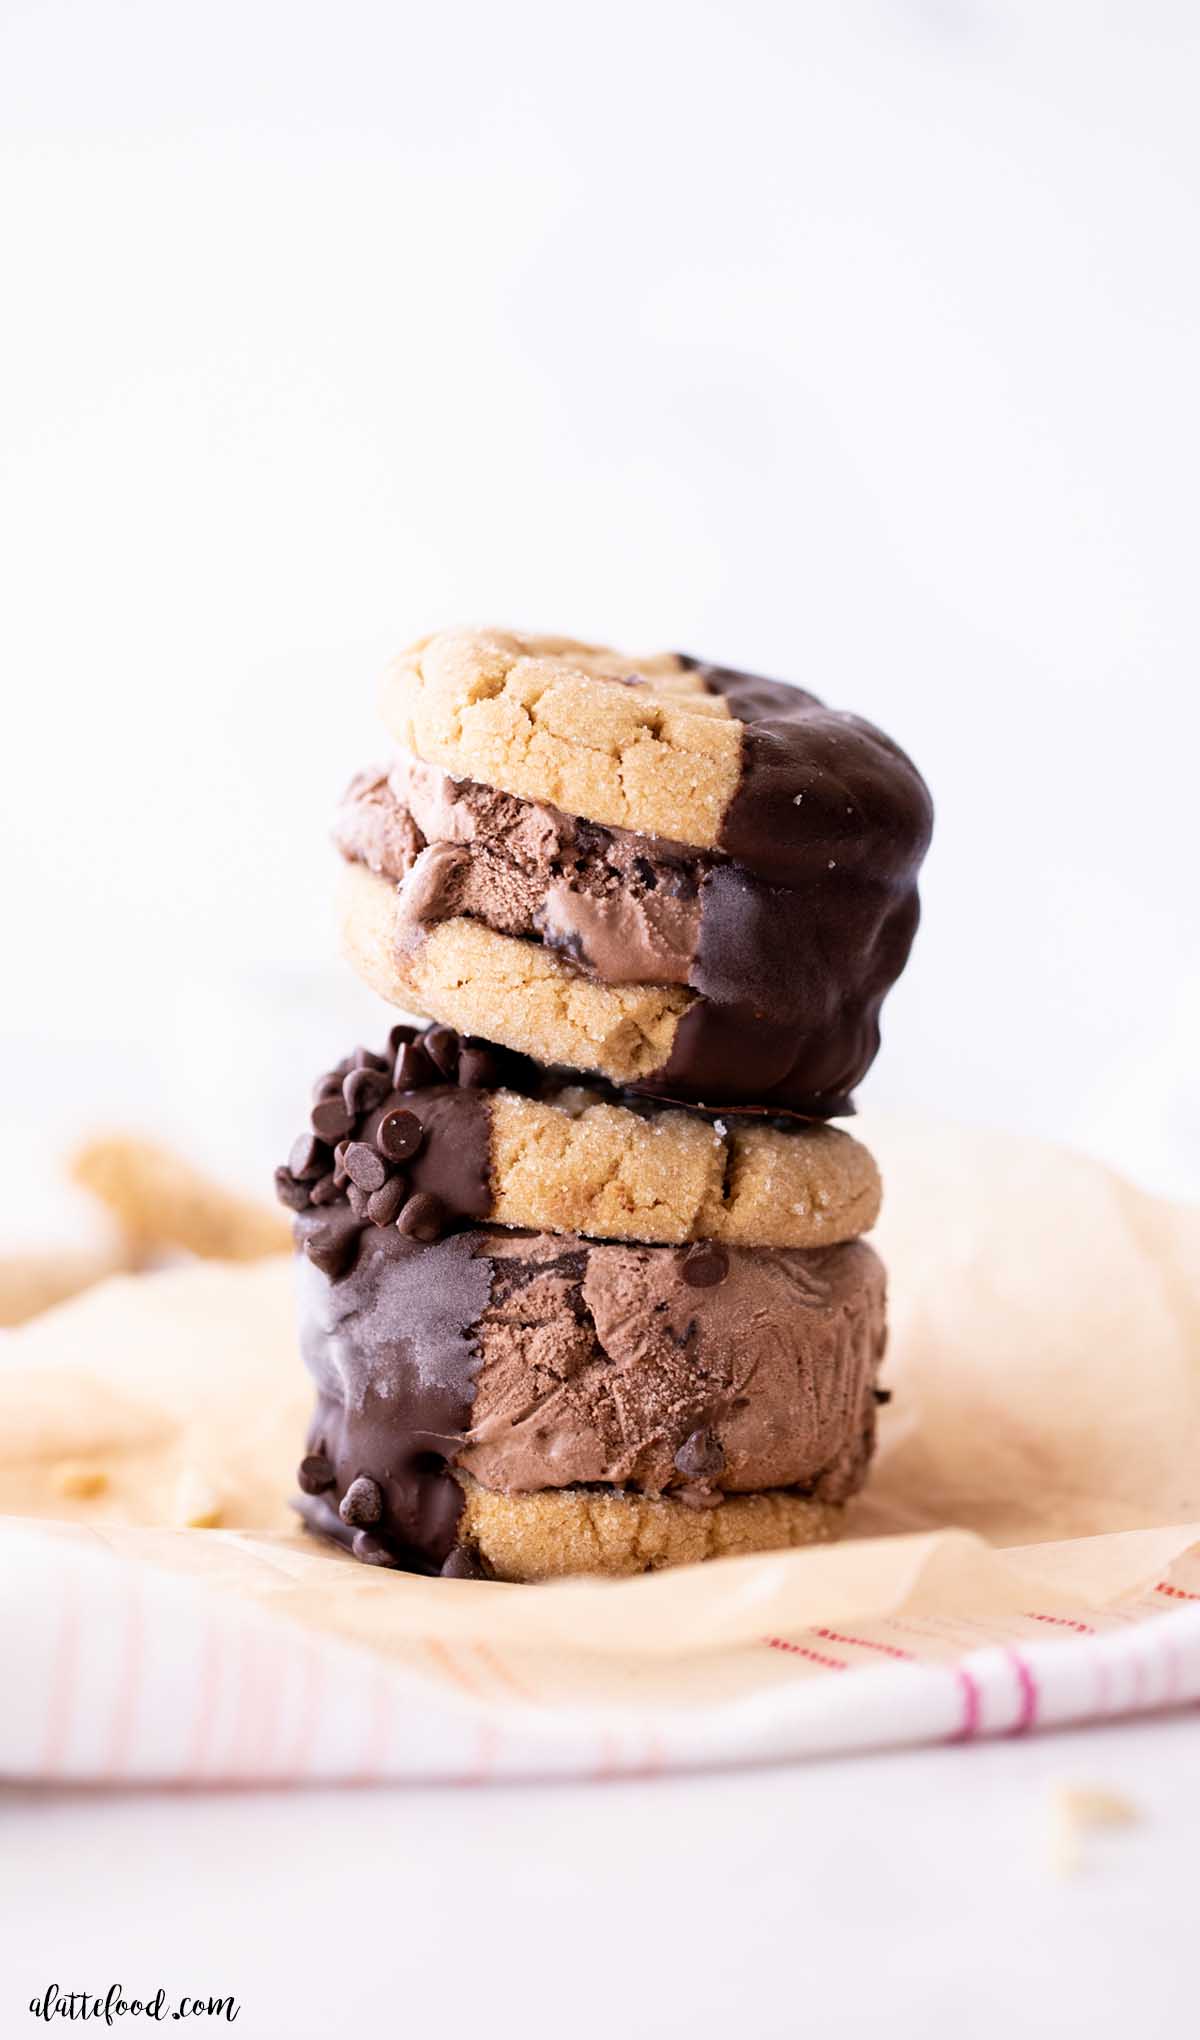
x: 857, y: 342
x: 854, y: 342
x: 894, y: 1897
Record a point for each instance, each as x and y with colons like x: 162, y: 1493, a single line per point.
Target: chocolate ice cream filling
x: 626, y: 908
x: 534, y: 1362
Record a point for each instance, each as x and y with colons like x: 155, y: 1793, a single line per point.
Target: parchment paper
x: 1038, y: 1477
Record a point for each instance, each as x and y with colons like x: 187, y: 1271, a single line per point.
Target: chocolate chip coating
x: 423, y: 1217
x: 332, y: 1244
x: 314, y: 1474
x: 371, y: 1551
x: 289, y: 1192
x: 369, y: 1059
x: 414, y: 1068
x: 477, y: 1066
x: 331, y: 1119
x: 442, y: 1044
x: 362, y: 1503
x: 423, y: 1151
x: 399, y: 1135
x: 384, y: 1205
x: 463, y: 1564
x: 309, y: 1158
x: 364, y: 1089
x: 364, y: 1167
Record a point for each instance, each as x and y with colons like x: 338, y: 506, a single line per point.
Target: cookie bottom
x: 565, y: 1532
x: 612, y: 1533
x: 505, y: 990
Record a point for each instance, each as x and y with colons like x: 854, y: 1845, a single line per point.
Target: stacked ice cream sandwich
x: 583, y: 1287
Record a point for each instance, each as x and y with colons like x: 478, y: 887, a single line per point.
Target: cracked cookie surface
x: 645, y: 746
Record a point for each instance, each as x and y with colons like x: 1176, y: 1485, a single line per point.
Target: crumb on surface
x: 76, y: 1481
x: 1077, y: 1810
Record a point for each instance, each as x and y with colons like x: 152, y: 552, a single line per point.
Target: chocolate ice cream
x: 625, y: 907
x: 544, y: 1361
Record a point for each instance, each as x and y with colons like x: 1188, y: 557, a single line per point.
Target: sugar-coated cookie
x: 562, y: 1533
x: 490, y: 1137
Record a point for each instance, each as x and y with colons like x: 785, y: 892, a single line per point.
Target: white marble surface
x: 912, y: 1895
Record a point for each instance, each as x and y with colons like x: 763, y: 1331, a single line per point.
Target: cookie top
x: 664, y: 746
x: 648, y: 747
x: 808, y: 826
x: 438, y: 1131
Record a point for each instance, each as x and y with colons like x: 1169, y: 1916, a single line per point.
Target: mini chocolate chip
x: 366, y: 1059
x: 327, y: 1086
x: 704, y: 1265
x: 332, y: 1245
x: 294, y: 1195
x: 339, y: 1164
x: 357, y: 1199
x: 362, y: 1501
x: 882, y: 1395
x: 700, y: 1456
x: 442, y: 1044
x: 363, y: 1090
x: 330, y: 1120
x: 309, y: 1158
x: 414, y: 1069
x: 373, y: 1551
x: 364, y: 1167
x: 383, y: 1206
x: 422, y: 1217
x: 477, y: 1067
x: 464, y: 1563
x: 399, y: 1135
x: 315, y: 1474
x: 325, y: 1191
x: 399, y: 1037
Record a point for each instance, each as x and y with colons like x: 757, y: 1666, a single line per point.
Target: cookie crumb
x: 77, y: 1482
x: 1075, y: 1810
x: 197, y: 1504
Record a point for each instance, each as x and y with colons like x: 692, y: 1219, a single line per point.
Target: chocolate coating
x: 389, y: 1347
x: 805, y: 931
x: 416, y: 1156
